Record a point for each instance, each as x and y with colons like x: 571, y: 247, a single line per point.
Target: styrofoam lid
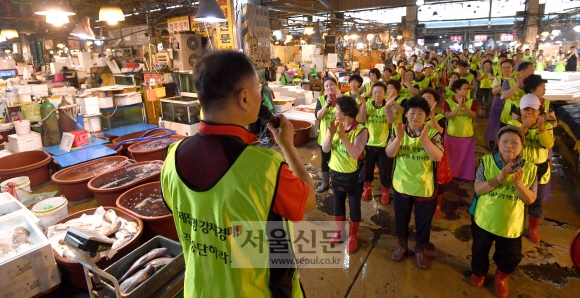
x: 49, y: 205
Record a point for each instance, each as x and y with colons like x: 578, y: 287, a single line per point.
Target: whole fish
x: 154, y: 253
x: 159, y: 262
x: 121, y: 241
x: 139, y: 277
x: 110, y: 216
x: 112, y: 229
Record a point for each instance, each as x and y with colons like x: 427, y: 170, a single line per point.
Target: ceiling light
x: 468, y: 5
x: 317, y: 36
x: 435, y: 13
x: 353, y: 32
x: 83, y: 30
x: 9, y: 33
x: 209, y: 11
x: 420, y: 2
x: 111, y: 14
x: 2, y: 39
x: 57, y: 20
x: 56, y: 7
x: 308, y: 30
x: 399, y: 37
x: 556, y: 32
x: 419, y: 9
x: 577, y: 28
x: 545, y: 33
x: 370, y: 37
x: 360, y: 43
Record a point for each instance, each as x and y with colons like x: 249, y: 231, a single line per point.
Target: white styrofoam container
x: 90, y: 109
x: 21, y: 143
x: 126, y: 100
x: 24, y: 89
x: 11, y: 204
x: 41, y: 88
x: 92, y: 123
x: 33, y: 284
x: 25, y: 98
x: 29, y: 262
x: 283, y: 108
x: 105, y: 102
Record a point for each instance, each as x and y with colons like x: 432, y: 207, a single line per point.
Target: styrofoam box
x: 29, y: 262
x: 105, y: 102
x: 9, y: 204
x: 90, y: 109
x: 33, y: 284
x: 24, y: 98
x: 28, y: 142
x: 24, y: 89
x: 126, y: 100
x: 41, y: 88
x: 283, y: 108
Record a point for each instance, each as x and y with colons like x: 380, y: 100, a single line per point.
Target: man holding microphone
x: 217, y: 177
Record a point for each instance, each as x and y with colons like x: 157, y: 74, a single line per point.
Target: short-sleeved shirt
x: 480, y: 175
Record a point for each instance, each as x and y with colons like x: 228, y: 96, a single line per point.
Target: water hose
x: 144, y: 137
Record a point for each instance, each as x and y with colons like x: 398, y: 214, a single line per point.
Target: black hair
x: 524, y: 65
x: 396, y: 84
x: 329, y: 79
x: 387, y: 69
x: 510, y: 61
x: 488, y: 61
x: 376, y: 72
x: 380, y: 84
x: 434, y: 59
x: 413, y: 56
x: 357, y: 78
x: 348, y: 106
x: 417, y: 102
x: 209, y: 78
x: 532, y: 82
x: 463, y: 64
x: 453, y: 73
x: 433, y: 92
x: 458, y: 84
x: 502, y: 56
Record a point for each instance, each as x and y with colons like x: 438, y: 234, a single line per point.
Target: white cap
x: 418, y: 68
x: 530, y: 101
x: 429, y: 65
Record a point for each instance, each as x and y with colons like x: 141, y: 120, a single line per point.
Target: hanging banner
x: 178, y: 24
x: 225, y: 31
x: 506, y: 37
x: 198, y: 27
x: 480, y: 37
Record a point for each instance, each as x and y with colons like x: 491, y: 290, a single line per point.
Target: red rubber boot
x: 385, y: 196
x: 353, y: 237
x: 501, y: 284
x: 438, y: 213
x: 534, y: 222
x: 337, y: 236
x: 367, y: 191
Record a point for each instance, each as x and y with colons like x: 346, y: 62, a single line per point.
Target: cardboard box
x: 33, y: 284
x: 31, y: 261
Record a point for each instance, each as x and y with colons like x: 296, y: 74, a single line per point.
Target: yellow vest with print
x: 325, y: 120
x: 506, y: 112
x: 533, y: 151
x: 204, y: 224
x: 414, y: 175
x: 340, y: 160
x: 377, y: 124
x: 460, y: 126
x: 500, y: 211
x: 485, y: 83
x: 469, y: 78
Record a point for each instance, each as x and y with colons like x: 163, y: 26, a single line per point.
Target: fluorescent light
x: 209, y: 11
x: 8, y: 33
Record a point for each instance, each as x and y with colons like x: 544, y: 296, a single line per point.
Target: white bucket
x: 22, y: 190
x: 50, y: 211
x: 22, y: 127
x: 92, y: 122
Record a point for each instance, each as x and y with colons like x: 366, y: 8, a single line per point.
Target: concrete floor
x: 545, y: 271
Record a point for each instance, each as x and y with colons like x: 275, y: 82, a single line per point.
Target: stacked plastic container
x: 24, y: 139
x: 91, y: 113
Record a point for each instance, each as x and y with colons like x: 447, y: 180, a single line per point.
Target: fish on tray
x: 154, y: 253
x: 132, y: 282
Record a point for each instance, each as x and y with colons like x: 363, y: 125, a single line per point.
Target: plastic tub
x: 50, y: 211
x: 153, y: 149
x: 22, y: 188
x: 112, y: 146
x: 22, y: 127
x: 108, y: 196
x: 133, y: 136
x: 301, y: 132
x: 72, y: 181
x: 73, y: 271
x: 34, y: 164
x: 153, y: 225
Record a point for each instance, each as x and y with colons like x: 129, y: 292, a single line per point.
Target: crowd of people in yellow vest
x: 396, y: 124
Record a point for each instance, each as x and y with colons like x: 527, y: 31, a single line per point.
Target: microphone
x: 266, y: 115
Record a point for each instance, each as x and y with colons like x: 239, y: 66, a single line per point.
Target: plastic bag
x: 444, y: 175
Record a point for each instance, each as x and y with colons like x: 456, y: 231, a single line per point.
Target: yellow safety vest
x: 340, y: 160
x: 325, y: 121
x: 533, y: 151
x: 461, y: 126
x: 377, y: 124
x: 500, y: 211
x: 414, y: 175
x: 506, y: 112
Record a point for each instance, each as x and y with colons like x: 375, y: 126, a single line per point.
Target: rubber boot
x: 324, y: 183
x: 337, y: 236
x: 501, y: 284
x: 367, y: 191
x: 534, y: 222
x: 401, y: 251
x: 422, y: 261
x: 438, y: 212
x: 353, y: 236
x: 385, y: 196
x: 477, y: 281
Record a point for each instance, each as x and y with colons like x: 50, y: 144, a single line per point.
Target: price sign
x: 480, y: 37
x: 178, y: 24
x: 506, y: 37
x: 455, y: 38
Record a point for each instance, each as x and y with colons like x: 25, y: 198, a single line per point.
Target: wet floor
x: 545, y: 271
